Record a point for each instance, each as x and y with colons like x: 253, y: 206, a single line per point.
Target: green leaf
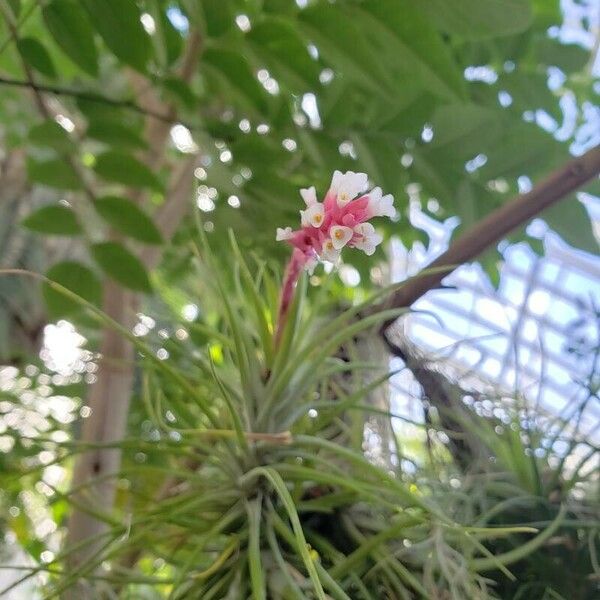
x: 567, y: 57
x: 406, y: 36
x: 54, y: 220
x: 491, y: 262
x: 35, y: 54
x: 471, y: 205
x: 123, y: 266
x: 115, y: 133
x: 546, y: 14
x: 128, y: 218
x: 286, y: 499
x: 71, y: 30
x: 178, y: 91
x: 234, y: 67
x: 94, y: 109
x: 409, y: 120
x: 125, y: 169
x: 285, y: 52
x: 572, y: 222
x: 341, y: 41
x: 75, y: 277
x: 476, y: 19
x: 524, y: 148
x: 167, y: 41
x: 15, y: 6
x: 218, y: 16
x: 257, y: 577
x: 460, y: 125
x: 50, y: 134
x: 56, y: 173
x: 118, y: 23
x: 529, y: 91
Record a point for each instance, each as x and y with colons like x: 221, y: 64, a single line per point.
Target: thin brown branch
x: 39, y: 99
x: 497, y: 225
x: 14, y: 33
x: 157, y: 131
x: 25, y: 16
x: 57, y: 90
x: 170, y: 214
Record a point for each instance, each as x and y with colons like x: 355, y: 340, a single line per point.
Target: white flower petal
x: 329, y: 252
x: 375, y: 194
x: 311, y: 264
x: 364, y: 229
x: 375, y: 239
x: 313, y: 215
x: 368, y: 249
x: 381, y: 206
x: 309, y: 195
x: 335, y: 181
x: 386, y: 206
x: 340, y: 236
x: 351, y: 184
x: 374, y: 201
x: 369, y: 239
x: 366, y: 245
x: 283, y: 234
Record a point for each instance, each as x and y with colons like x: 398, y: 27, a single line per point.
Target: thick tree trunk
x: 109, y: 402
x: 110, y: 396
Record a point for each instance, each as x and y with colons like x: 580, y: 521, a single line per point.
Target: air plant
x: 252, y: 484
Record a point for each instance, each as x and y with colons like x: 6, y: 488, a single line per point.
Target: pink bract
x: 342, y: 219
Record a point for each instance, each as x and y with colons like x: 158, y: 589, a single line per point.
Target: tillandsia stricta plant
x: 341, y: 220
x: 249, y: 480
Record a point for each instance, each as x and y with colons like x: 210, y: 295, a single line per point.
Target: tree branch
x: 157, y: 131
x: 90, y: 97
x: 39, y: 99
x: 172, y: 212
x: 497, y: 225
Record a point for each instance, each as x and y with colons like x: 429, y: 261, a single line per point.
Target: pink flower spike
x: 340, y: 220
x: 358, y: 209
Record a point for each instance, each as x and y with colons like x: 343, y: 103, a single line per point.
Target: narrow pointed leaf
x: 56, y: 173
x: 476, y: 19
x: 35, y: 54
x: 128, y: 218
x: 50, y: 134
x: 77, y: 278
x: 53, y: 220
x: 118, y: 23
x: 115, y: 133
x: 125, y: 169
x: 123, y: 266
x: 69, y: 26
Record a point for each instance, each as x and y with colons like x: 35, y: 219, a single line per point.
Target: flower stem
x: 292, y: 274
